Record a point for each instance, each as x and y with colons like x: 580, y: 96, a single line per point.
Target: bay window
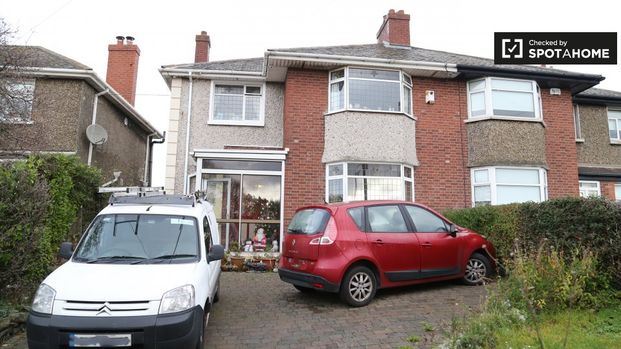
x: 504, y: 98
x: 367, y: 181
x: 504, y: 185
x: 370, y: 90
x: 614, y: 125
x: 234, y: 104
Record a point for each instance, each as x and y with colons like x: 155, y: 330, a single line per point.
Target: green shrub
x: 566, y: 224
x: 500, y: 224
x: 42, y: 198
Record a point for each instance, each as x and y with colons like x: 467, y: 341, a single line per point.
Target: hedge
x: 568, y: 224
x: 41, y: 199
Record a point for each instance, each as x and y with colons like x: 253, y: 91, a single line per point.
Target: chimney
x: 395, y: 29
x: 203, y: 43
x: 122, y: 71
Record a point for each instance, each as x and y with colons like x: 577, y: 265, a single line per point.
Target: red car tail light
x: 329, y: 235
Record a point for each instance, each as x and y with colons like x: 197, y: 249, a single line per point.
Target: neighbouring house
x: 61, y: 98
x: 387, y: 120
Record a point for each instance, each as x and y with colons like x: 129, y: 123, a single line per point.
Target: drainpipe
x: 187, y: 139
x: 94, y: 118
x: 148, y: 170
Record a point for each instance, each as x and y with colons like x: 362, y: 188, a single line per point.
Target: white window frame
x: 492, y: 183
x: 616, y: 140
x: 403, y: 84
x: 618, y: 192
x: 577, y: 126
x: 344, y: 177
x: 243, y: 122
x: 598, y: 185
x: 489, y: 107
x: 25, y: 118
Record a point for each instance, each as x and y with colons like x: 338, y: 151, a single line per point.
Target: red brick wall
x: 608, y: 190
x: 306, y: 100
x: 561, y: 151
x: 442, y: 179
x: 122, y: 72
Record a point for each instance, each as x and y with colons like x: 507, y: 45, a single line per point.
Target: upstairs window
x: 614, y: 125
x: 504, y: 98
x: 237, y: 104
x: 16, y: 101
x: 370, y: 90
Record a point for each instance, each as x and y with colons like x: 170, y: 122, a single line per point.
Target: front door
x: 440, y: 252
x: 393, y: 244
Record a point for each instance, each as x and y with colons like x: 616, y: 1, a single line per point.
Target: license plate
x: 100, y: 340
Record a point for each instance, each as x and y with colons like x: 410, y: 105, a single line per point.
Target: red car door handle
x: 426, y: 244
x: 379, y: 242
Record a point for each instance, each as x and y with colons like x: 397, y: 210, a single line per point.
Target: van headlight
x: 44, y: 299
x: 178, y: 299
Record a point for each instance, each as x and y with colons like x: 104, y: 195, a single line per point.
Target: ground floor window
x: 247, y: 199
x: 504, y: 185
x: 590, y: 189
x: 618, y: 192
x: 356, y: 181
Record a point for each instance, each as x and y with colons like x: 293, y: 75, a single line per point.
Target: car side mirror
x: 66, y: 250
x: 216, y: 252
x: 453, y: 230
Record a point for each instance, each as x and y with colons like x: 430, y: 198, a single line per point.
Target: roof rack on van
x: 186, y: 200
x: 140, y: 191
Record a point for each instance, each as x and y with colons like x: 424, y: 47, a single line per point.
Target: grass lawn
x: 588, y: 330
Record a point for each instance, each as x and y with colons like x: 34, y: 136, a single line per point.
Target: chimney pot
x: 201, y: 52
x: 395, y: 29
x: 122, y: 72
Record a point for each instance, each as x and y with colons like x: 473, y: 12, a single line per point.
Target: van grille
x: 105, y: 308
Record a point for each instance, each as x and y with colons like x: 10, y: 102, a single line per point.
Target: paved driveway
x: 257, y: 310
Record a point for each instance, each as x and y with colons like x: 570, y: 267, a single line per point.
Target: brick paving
x: 257, y: 310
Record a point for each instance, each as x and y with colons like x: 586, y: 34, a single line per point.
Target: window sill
x: 615, y: 142
x: 579, y: 140
x: 503, y: 118
x: 236, y: 123
x: 413, y: 117
x: 16, y: 122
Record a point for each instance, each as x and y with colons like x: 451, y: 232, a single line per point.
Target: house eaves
x: 99, y: 85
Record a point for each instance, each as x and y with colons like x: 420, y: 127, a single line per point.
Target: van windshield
x: 139, y: 239
x: 309, y: 221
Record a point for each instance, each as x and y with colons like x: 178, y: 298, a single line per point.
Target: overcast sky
x: 165, y: 30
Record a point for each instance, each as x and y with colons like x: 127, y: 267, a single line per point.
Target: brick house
x: 386, y: 120
x: 63, y: 97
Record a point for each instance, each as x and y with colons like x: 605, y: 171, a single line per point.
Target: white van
x: 145, y: 274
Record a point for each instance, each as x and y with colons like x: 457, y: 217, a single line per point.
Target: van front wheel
x: 358, y: 287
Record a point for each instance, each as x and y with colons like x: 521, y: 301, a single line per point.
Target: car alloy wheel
x: 358, y: 287
x: 477, y: 269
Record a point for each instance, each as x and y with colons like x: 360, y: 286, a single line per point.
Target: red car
x: 356, y: 248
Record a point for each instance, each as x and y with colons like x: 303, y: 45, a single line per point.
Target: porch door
x: 218, y: 193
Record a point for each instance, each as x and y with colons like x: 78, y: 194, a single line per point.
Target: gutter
x: 597, y: 100
x: 93, y: 121
x: 148, y: 165
x: 99, y: 85
x: 187, y: 138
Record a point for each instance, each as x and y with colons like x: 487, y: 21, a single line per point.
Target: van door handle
x: 426, y: 244
x: 379, y: 242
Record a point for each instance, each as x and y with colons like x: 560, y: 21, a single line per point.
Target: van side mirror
x: 215, y: 253
x: 66, y: 250
x: 453, y: 230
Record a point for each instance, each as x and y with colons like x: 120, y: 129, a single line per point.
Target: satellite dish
x: 96, y: 134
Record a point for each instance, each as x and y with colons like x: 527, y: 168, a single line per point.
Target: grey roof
x: 37, y: 57
x: 246, y: 65
x: 426, y: 55
x: 385, y: 52
x: 600, y: 93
